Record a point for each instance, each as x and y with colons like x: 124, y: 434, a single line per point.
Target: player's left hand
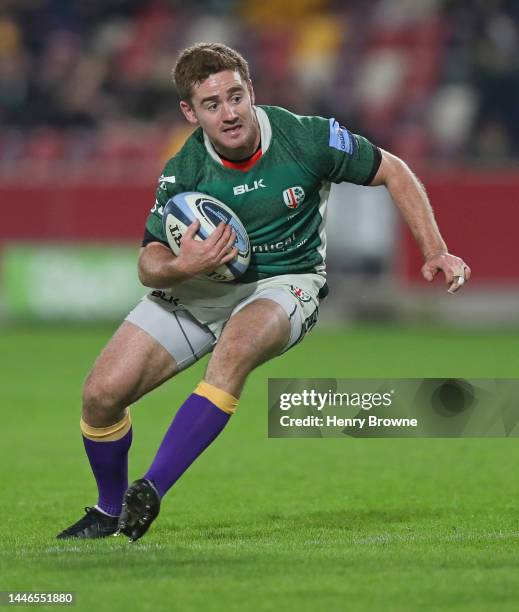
x: 456, y: 271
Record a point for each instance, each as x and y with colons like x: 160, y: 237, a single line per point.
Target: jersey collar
x: 265, y: 131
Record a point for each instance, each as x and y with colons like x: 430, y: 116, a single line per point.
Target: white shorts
x: 188, y: 320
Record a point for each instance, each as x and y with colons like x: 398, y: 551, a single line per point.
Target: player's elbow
x: 147, y: 268
x: 152, y: 278
x: 156, y: 267
x: 395, y: 174
x: 145, y: 278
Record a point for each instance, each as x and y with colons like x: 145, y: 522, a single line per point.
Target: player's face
x: 223, y: 106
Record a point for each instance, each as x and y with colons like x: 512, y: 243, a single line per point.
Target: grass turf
x: 266, y: 524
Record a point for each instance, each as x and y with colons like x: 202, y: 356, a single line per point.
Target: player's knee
x: 235, y: 358
x: 101, y: 401
x: 236, y: 354
x: 229, y: 366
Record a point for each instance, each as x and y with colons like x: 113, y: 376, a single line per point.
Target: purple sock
x: 109, y: 463
x: 195, y: 426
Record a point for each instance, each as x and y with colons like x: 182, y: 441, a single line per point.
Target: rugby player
x: 274, y: 169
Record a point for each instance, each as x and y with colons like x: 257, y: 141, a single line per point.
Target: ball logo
x: 175, y: 233
x: 215, y: 214
x: 293, y: 196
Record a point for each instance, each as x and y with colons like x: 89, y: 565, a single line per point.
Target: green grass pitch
x: 259, y: 524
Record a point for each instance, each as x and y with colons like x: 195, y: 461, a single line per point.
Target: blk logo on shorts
x: 293, y: 196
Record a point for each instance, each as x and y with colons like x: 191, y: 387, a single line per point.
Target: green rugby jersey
x: 282, y: 199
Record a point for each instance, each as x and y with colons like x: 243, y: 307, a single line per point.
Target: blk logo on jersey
x: 293, y: 196
x: 241, y: 189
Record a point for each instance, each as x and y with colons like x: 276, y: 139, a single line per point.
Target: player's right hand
x: 202, y: 256
x: 455, y: 270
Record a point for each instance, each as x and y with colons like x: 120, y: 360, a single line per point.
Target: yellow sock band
x: 221, y: 399
x: 107, y: 434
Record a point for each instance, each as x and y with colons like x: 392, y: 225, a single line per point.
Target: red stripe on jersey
x: 244, y: 166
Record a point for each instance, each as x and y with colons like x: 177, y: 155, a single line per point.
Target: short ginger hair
x: 196, y: 63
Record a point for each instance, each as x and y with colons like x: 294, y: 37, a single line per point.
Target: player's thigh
x: 264, y: 325
x: 256, y: 333
x: 301, y: 306
x: 151, y: 346
x: 185, y: 338
x: 130, y: 365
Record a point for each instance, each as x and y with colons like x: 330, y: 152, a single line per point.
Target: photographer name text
x: 318, y: 401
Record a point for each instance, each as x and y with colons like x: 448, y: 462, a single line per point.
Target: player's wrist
x: 429, y: 254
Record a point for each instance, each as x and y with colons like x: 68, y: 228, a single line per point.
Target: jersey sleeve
x: 339, y: 155
x: 168, y: 186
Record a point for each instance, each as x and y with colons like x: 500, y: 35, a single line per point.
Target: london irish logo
x: 301, y: 295
x: 293, y: 196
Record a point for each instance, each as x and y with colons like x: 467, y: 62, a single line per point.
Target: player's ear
x: 188, y: 112
x: 251, y: 92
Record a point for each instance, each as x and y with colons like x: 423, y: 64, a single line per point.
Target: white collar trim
x: 265, y: 132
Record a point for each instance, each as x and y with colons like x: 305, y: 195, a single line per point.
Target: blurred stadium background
x: 88, y: 115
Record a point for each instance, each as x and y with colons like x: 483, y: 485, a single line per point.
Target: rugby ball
x: 182, y: 209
